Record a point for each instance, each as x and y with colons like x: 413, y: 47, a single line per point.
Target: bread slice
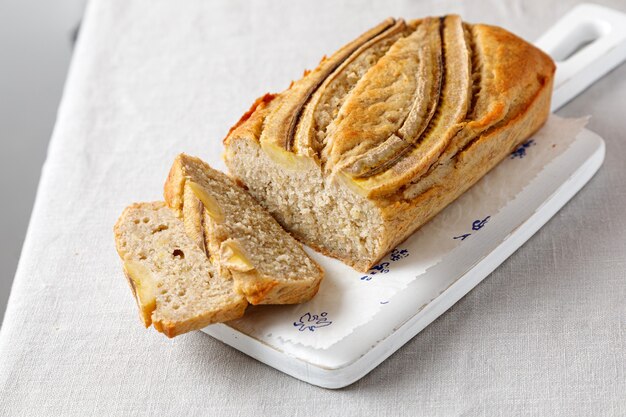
x: 267, y: 264
x: 175, y: 286
x: 365, y: 149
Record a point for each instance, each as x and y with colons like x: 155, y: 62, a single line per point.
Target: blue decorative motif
x: 521, y: 151
x: 398, y: 254
x: 476, y: 225
x: 381, y: 268
x: 312, y: 321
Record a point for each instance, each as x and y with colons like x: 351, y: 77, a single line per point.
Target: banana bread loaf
x: 388, y: 131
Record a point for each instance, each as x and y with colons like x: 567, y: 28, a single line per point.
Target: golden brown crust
x: 173, y: 189
x: 323, y: 105
x: 382, y: 99
x: 258, y: 103
x: 284, y: 119
x: 251, y: 123
x: 172, y: 329
x: 415, y: 146
x: 266, y: 290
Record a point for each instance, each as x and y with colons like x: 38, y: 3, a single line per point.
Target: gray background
x: 35, y: 51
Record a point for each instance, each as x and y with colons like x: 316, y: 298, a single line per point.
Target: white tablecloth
x: 544, y: 335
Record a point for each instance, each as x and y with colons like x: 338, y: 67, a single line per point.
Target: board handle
x: 586, y: 43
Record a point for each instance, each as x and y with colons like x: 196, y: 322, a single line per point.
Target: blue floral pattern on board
x: 521, y: 151
x: 476, y: 226
x: 398, y: 254
x: 462, y: 237
x: 312, y: 321
x: 384, y: 267
x: 381, y: 268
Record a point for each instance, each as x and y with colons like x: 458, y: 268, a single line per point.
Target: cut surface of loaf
x: 176, y: 287
x: 388, y: 131
x: 267, y: 264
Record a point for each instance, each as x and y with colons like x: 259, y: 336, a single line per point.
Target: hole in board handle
x: 578, y: 38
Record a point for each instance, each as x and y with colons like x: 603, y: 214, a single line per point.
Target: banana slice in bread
x: 268, y: 266
x: 388, y: 131
x: 176, y: 287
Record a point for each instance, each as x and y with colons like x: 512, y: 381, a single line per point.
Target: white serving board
x: 351, y: 358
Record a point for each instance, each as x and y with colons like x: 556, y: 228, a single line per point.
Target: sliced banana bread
x: 267, y: 264
x: 175, y: 286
